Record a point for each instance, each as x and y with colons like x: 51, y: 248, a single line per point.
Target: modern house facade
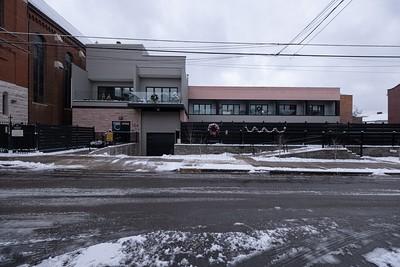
x: 124, y: 85
x: 36, y: 66
x: 394, y: 104
x: 265, y: 104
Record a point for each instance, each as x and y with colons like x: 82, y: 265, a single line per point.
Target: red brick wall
x: 394, y: 105
x: 346, y: 108
x: 14, y: 55
x: 101, y: 118
x: 52, y: 110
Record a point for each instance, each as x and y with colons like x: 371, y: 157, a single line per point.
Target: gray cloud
x: 364, y: 21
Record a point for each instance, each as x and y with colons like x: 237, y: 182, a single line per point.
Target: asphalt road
x: 322, y: 221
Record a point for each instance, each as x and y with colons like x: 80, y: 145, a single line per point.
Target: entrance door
x: 159, y: 144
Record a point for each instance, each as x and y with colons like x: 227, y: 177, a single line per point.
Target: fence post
x: 362, y: 144
x: 393, y: 138
x: 10, y: 146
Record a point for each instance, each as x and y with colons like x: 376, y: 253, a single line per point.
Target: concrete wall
x: 17, y: 102
x: 101, y: 118
x: 246, y: 118
x: 80, y: 84
x: 198, y: 149
x: 376, y: 151
x: 131, y: 149
x: 158, y: 122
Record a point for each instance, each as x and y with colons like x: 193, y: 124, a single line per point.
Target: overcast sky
x: 363, y: 21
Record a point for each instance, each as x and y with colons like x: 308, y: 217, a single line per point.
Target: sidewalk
x: 204, y: 163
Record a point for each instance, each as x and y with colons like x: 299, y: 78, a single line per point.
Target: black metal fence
x: 44, y: 137
x: 293, y: 133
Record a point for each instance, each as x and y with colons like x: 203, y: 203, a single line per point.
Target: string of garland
x: 264, y: 130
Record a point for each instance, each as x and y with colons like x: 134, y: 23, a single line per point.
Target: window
x: 163, y: 94
x: 203, y: 109
x: 229, y: 109
x: 2, y: 13
x: 5, y: 103
x: 67, y: 80
x: 287, y: 110
x: 115, y: 93
x: 38, y: 68
x: 261, y: 109
x: 316, y: 110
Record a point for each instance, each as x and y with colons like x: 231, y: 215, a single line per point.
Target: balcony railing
x: 144, y: 98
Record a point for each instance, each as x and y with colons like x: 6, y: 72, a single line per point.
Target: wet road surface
x: 321, y: 221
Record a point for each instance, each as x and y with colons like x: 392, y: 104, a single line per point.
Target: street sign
x: 17, y: 133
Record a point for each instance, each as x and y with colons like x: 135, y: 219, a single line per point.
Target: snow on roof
x: 60, y: 20
x: 377, y: 117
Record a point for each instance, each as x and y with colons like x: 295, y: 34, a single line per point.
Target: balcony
x: 143, y: 100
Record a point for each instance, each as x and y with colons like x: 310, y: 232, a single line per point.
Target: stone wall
x: 17, y: 98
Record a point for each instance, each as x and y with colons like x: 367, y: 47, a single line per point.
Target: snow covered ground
x: 177, y: 248
x: 38, y: 153
x: 35, y: 166
x: 384, y: 258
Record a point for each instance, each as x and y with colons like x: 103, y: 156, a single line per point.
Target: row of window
x: 39, y: 67
x: 162, y: 94
x: 255, y: 109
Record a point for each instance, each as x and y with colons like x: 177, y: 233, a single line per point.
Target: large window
x: 38, y: 68
x: 115, y: 93
x: 287, y: 109
x: 316, y: 110
x: 162, y: 94
x: 229, y: 109
x: 262, y: 109
x: 203, y: 109
x: 5, y: 104
x: 67, y: 80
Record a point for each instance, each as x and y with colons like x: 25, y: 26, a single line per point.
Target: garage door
x: 159, y: 144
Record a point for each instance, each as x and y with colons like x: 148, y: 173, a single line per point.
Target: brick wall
x: 101, y: 118
x: 13, y: 50
x: 346, y: 108
x: 394, y: 104
x: 52, y: 110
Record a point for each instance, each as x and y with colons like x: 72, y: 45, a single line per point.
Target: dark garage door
x: 159, y: 144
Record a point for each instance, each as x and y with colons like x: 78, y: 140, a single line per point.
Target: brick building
x: 36, y: 68
x: 14, y: 53
x: 394, y: 104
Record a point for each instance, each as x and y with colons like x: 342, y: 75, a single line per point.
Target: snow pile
x: 36, y: 166
x: 175, y: 248
x: 38, y: 153
x: 382, y: 257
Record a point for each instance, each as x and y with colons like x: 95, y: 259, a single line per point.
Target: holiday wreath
x: 213, y: 129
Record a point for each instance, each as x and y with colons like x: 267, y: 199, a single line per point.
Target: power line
x: 319, y: 24
x: 226, y: 53
x: 326, y: 25
x: 304, y: 30
x: 211, y: 42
